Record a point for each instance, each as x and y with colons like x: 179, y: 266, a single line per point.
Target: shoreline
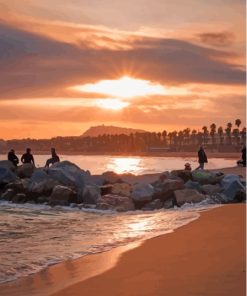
x: 141, y: 260
x: 73, y: 272
x: 227, y: 155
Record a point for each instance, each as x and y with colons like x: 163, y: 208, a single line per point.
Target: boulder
x: 169, y: 203
x: 185, y: 175
x: 62, y: 195
x: 7, y: 176
x: 187, y: 196
x: 106, y: 189
x: 19, y: 198
x: 18, y: 187
x: 8, y: 165
x: 115, y: 202
x: 193, y: 185
x: 68, y: 174
x: 121, y: 189
x: 111, y: 177
x: 142, y: 192
x: 204, y: 177
x: 231, y: 188
x: 153, y: 205
x: 165, y: 189
x: 90, y: 195
x: 26, y: 170
x: 41, y: 183
x: 8, y: 194
x: 210, y: 189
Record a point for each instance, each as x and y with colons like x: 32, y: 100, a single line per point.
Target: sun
x: 125, y: 87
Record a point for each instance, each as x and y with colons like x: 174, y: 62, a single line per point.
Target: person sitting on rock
x: 187, y: 167
x: 54, y: 158
x: 12, y: 157
x: 27, y: 157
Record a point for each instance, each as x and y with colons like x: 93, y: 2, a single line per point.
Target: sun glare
x: 125, y: 165
x: 112, y: 104
x: 125, y: 87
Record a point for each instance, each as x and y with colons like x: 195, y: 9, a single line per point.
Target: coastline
x: 209, y: 252
x: 227, y: 155
x: 222, y: 228
x: 205, y: 257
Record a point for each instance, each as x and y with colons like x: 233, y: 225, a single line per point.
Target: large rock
x: 26, y: 170
x: 121, y: 189
x: 7, y: 164
x: 111, y: 177
x: 165, y: 189
x: 8, y: 194
x: 19, y: 198
x: 142, y: 192
x: 68, y: 174
x: 90, y: 195
x: 153, y: 205
x: 204, y: 177
x: 231, y: 188
x: 62, y: 195
x: 18, y: 187
x: 7, y: 176
x: 210, y: 189
x: 41, y: 183
x: 115, y: 202
x: 187, y: 196
x: 193, y: 185
x: 185, y: 175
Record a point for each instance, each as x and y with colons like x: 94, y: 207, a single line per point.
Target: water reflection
x: 125, y: 165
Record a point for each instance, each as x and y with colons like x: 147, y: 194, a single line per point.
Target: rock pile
x: 65, y: 184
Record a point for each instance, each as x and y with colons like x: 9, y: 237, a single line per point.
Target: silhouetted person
x: 244, y: 156
x: 202, y: 158
x: 27, y: 157
x: 12, y: 157
x: 54, y: 158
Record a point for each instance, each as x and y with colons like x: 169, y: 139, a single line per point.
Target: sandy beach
x: 204, y: 257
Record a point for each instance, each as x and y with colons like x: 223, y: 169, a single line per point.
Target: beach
x: 205, y: 257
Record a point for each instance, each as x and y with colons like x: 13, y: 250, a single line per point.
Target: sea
x: 33, y: 237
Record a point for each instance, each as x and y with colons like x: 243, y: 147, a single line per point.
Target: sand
x: 204, y: 257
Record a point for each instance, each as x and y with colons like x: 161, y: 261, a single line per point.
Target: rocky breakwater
x: 65, y: 184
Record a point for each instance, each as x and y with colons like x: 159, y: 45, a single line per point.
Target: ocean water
x: 97, y: 164
x: 33, y: 237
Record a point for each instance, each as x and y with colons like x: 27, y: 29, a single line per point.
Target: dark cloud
x: 33, y: 65
x: 216, y: 39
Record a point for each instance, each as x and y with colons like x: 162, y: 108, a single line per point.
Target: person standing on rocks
x: 202, y: 158
x: 244, y: 155
x: 27, y: 157
x: 12, y: 157
x: 54, y: 158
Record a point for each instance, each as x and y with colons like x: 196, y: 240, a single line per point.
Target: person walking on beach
x: 12, y: 157
x: 202, y: 158
x: 27, y: 157
x: 54, y: 158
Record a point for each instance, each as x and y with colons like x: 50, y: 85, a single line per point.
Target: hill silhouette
x: 95, y: 131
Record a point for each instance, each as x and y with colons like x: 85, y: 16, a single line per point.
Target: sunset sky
x: 66, y: 65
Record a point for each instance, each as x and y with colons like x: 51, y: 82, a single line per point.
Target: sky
x: 66, y: 65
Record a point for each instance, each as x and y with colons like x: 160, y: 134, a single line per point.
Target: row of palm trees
x: 186, y: 139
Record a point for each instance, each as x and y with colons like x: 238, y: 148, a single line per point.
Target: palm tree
x: 228, y: 132
x: 164, y: 135
x: 221, y: 134
x: 212, y: 132
x: 235, y: 133
x: 205, y: 134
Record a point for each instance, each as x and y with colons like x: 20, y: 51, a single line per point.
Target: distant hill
x: 95, y: 131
